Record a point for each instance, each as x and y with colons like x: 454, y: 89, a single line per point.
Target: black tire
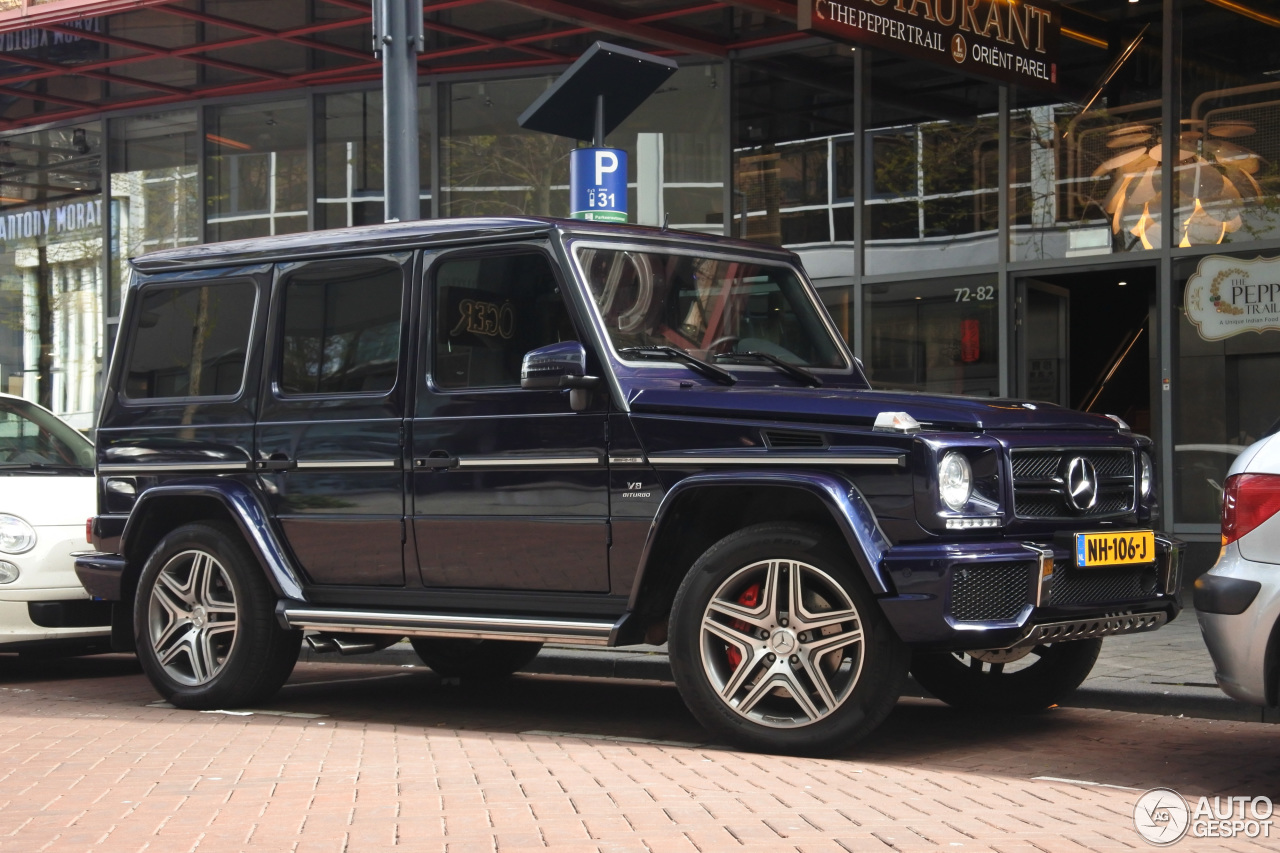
x: 204, y: 620
x: 1044, y: 677
x: 462, y: 658
x: 797, y: 690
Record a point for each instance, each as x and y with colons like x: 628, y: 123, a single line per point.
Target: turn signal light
x: 1248, y: 500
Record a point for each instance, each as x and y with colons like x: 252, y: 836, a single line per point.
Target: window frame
x: 431, y: 292
x: 401, y: 262
x: 139, y: 294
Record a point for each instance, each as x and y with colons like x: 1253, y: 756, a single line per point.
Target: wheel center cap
x: 198, y: 616
x: 782, y: 641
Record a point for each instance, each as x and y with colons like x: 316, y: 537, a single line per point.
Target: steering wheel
x: 727, y: 342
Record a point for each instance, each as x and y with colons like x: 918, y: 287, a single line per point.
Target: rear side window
x: 341, y: 329
x: 191, y: 341
x: 492, y: 310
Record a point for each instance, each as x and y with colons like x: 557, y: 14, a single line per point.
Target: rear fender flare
x: 848, y: 507
x: 249, y: 516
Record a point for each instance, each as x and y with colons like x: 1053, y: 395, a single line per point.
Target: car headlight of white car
x: 16, y: 536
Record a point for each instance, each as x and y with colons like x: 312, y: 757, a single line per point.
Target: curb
x: 653, y: 666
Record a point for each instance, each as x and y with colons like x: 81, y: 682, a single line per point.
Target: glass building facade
x: 1075, y: 246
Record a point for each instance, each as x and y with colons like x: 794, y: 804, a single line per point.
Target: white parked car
x: 46, y: 495
x: 1238, y: 601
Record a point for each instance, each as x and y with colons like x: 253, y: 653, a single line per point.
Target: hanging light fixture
x: 1215, y: 174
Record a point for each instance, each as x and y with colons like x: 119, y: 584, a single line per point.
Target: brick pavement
x: 377, y: 758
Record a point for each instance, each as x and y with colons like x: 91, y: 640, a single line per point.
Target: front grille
x: 988, y: 592
x: 1039, y: 483
x: 1072, y: 585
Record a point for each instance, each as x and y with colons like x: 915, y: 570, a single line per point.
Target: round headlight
x: 16, y: 536
x: 1145, y: 476
x: 955, y: 480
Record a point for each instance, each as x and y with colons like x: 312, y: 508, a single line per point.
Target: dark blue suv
x: 488, y: 434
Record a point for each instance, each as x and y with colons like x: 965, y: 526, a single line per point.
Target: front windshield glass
x: 31, y: 436
x: 709, y: 307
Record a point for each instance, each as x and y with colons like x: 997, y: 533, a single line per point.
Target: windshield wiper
x: 718, y: 374
x: 799, y: 374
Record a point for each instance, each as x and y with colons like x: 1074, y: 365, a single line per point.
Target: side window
x: 341, y: 329
x: 190, y: 341
x: 490, y: 311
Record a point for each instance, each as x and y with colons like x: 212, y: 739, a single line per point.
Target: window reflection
x: 256, y: 170
x: 51, y: 228
x: 1086, y: 160
x: 937, y: 336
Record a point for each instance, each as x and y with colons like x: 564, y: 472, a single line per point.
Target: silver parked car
x: 1238, y: 601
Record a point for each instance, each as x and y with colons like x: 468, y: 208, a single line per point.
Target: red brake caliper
x: 750, y: 598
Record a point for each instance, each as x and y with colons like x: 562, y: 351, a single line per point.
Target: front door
x: 329, y: 445
x: 510, y: 486
x: 1043, y: 317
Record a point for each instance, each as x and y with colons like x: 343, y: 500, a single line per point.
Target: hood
x: 44, y: 500
x: 859, y: 408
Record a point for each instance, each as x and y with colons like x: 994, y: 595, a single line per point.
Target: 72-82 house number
x: 601, y: 198
x: 982, y: 293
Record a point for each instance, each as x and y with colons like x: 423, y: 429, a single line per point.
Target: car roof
x: 394, y: 236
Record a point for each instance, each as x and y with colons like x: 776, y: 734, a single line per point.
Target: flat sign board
x: 598, y: 184
x: 1005, y: 40
x: 624, y: 78
x: 1229, y: 296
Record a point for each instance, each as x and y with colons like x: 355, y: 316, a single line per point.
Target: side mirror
x: 560, y: 365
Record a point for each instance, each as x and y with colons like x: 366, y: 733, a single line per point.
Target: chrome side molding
x: 578, y: 632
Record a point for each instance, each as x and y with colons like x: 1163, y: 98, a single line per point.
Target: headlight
x: 16, y: 536
x: 1145, y: 477
x: 955, y: 480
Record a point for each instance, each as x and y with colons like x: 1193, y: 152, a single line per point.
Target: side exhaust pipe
x: 350, y: 644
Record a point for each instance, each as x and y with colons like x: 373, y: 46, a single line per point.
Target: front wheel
x: 204, y: 621
x: 776, y: 643
x: 1016, y: 681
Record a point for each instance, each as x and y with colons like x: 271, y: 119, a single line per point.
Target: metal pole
x: 397, y: 39
x: 598, y: 142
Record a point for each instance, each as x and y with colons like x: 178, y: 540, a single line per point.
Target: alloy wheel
x: 192, y: 618
x: 782, y: 643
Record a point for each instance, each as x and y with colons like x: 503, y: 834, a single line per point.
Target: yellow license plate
x: 1120, y: 548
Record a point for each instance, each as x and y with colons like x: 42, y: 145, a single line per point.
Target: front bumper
x: 993, y: 595
x: 19, y: 630
x: 1238, y: 606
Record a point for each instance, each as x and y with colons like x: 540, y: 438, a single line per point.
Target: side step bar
x: 578, y: 632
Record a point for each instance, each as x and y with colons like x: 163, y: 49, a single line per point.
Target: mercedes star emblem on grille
x: 1082, y: 483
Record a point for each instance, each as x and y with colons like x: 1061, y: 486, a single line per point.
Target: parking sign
x: 598, y: 184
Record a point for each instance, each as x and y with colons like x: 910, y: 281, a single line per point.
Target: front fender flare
x: 849, y: 510
x: 247, y: 511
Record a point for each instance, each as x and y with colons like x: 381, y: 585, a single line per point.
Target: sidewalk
x: 1166, y: 672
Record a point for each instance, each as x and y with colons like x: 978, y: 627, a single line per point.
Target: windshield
x: 707, y: 306
x: 31, y: 436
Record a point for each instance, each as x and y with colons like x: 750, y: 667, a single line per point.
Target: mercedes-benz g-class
x: 488, y: 434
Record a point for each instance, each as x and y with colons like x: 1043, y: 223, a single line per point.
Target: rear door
x: 329, y: 439
x: 510, y: 487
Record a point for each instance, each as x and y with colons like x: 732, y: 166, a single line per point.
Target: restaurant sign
x: 1006, y: 40
x: 1228, y: 296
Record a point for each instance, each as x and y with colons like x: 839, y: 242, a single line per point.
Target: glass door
x: 1043, y: 345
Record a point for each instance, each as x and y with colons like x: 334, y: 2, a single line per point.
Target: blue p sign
x: 598, y: 184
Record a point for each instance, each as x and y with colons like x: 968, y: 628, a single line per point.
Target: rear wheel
x: 205, y: 624
x: 457, y: 657
x: 1010, y: 680
x: 776, y: 644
